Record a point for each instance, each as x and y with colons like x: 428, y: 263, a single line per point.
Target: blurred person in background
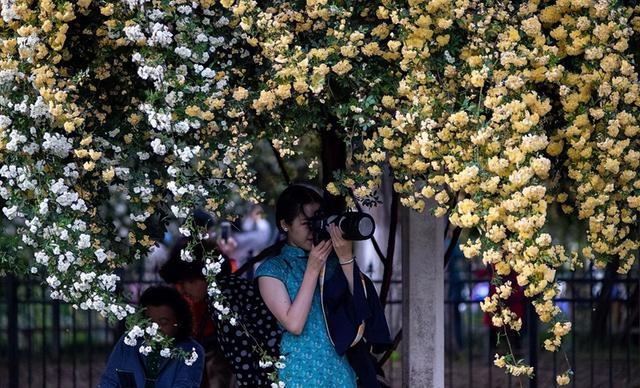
x: 231, y: 349
x: 189, y: 280
x: 254, y: 236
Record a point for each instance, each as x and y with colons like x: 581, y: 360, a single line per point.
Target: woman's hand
x: 318, y: 255
x: 293, y: 314
x: 228, y: 247
x: 343, y: 248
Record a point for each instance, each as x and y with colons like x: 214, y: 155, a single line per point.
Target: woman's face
x: 165, y: 318
x: 298, y: 232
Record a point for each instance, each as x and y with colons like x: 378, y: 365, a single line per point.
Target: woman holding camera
x: 291, y: 284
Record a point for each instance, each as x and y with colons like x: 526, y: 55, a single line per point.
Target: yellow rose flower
x: 95, y: 155
x: 69, y: 126
x: 443, y: 40
x: 227, y: 3
x: 502, y: 268
x: 81, y: 153
x: 348, y: 51
x: 107, y: 10
x: 89, y: 166
x: 563, y: 379
x: 388, y: 102
x: 342, y: 67
x: 333, y: 189
x: 500, y: 362
x: 107, y: 175
x: 382, y: 12
x: 370, y: 49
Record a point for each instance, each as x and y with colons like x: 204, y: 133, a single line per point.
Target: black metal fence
x: 47, y: 343
x: 603, y: 347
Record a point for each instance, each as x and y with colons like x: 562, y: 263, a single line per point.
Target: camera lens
x: 356, y: 225
x: 366, y: 226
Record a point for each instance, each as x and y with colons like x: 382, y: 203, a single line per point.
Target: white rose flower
x: 41, y: 258
x: 10, y: 212
x: 53, y: 281
x: 183, y: 52
x: 5, y: 121
x: 185, y: 255
x: 194, y: 356
x: 135, y: 332
x: 130, y: 341
x: 84, y: 241
x: 153, y: 329
x: 133, y: 33
x: 101, y: 256
x: 158, y: 147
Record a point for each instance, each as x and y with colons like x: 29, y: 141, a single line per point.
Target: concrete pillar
x: 422, y: 300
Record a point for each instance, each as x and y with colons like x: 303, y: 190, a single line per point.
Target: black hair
x: 169, y: 296
x: 290, y: 203
x: 176, y: 270
x: 292, y: 200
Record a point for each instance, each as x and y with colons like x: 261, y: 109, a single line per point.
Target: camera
x: 353, y: 225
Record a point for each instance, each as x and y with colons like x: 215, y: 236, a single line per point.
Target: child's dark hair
x: 176, y: 270
x: 169, y: 296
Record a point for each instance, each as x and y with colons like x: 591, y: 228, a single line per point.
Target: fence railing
x: 603, y: 347
x: 46, y: 343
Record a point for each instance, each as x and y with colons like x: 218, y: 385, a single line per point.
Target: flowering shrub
x: 115, y: 115
x: 504, y: 110
x: 98, y: 142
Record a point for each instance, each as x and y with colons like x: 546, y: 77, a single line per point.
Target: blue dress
x: 310, y: 358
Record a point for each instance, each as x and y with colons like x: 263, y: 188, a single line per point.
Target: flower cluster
x: 514, y: 368
x: 148, y: 339
x: 502, y: 111
x: 113, y: 117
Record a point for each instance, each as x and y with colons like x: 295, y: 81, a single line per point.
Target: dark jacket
x: 356, y: 323
x: 173, y: 373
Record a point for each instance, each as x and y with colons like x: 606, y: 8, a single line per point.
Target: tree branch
x: 452, y: 245
x: 280, y: 161
x: 391, y: 247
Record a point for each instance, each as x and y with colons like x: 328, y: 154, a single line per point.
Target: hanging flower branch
x: 115, y: 115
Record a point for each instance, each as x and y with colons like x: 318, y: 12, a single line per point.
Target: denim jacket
x: 172, y: 373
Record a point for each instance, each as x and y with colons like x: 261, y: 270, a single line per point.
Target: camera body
x: 353, y: 225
